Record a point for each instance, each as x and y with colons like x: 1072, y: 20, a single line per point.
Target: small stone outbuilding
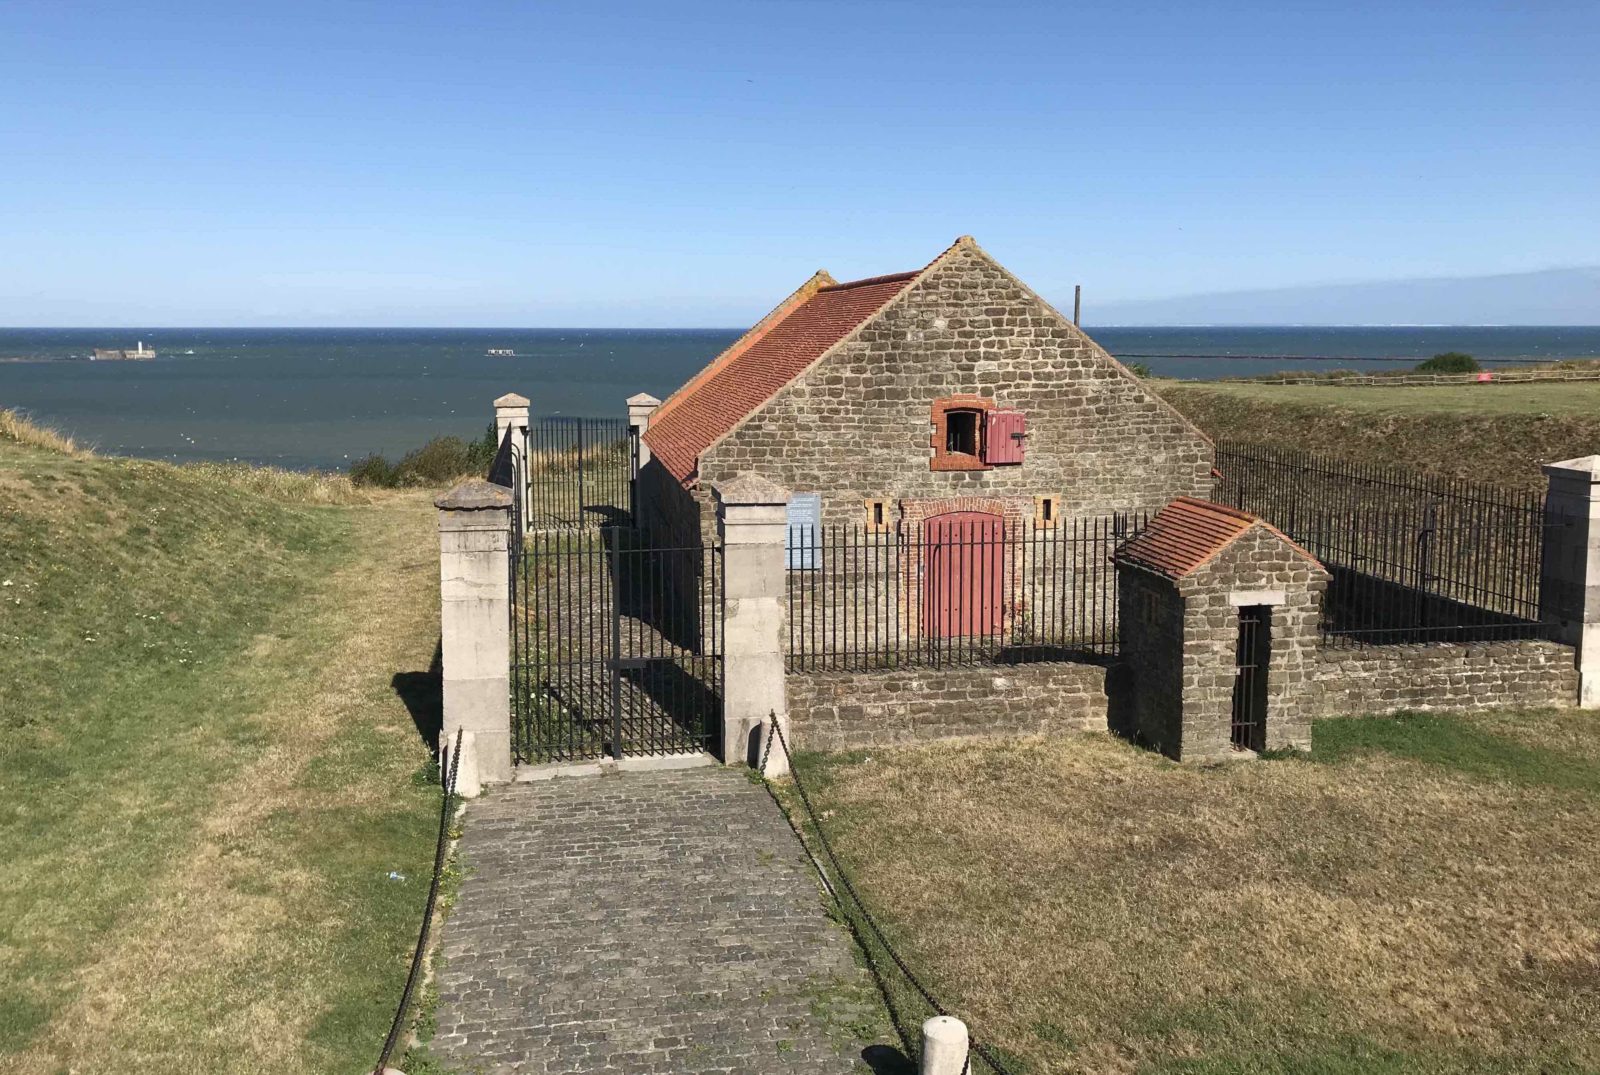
x: 1219, y: 615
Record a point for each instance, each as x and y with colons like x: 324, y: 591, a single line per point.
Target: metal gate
x: 1250, y: 678
x: 579, y: 472
x: 616, y: 646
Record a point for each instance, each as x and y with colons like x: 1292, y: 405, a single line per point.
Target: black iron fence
x: 973, y: 591
x: 616, y: 646
x: 1413, y: 559
x: 575, y: 473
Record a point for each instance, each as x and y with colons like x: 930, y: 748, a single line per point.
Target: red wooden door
x: 963, y: 574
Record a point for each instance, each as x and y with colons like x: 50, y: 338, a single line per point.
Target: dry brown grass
x: 18, y: 428
x: 1090, y: 907
x: 288, y: 486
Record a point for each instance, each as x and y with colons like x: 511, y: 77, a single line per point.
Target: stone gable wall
x: 857, y: 424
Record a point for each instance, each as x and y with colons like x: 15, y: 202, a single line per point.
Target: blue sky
x: 678, y: 163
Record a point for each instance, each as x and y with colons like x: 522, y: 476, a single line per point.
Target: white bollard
x: 944, y: 1046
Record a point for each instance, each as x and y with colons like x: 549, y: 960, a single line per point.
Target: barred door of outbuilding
x: 1251, y: 657
x: 616, y: 646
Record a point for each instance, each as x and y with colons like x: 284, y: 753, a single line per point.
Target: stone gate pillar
x: 640, y: 408
x: 511, y: 412
x: 1569, y: 576
x: 752, y: 520
x: 475, y: 627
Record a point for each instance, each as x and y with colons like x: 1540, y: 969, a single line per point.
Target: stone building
x: 1219, y: 615
x: 894, y: 401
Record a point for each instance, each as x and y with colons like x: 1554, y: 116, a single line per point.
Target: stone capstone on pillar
x: 752, y: 521
x: 640, y: 408
x: 1569, y: 575
x: 510, y: 412
x: 474, y: 628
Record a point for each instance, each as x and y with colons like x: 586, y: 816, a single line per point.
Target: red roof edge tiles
x: 777, y: 350
x: 819, y: 279
x: 1188, y: 533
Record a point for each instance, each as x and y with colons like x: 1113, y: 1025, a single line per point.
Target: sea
x: 319, y: 398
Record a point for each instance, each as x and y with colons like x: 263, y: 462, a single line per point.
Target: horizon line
x: 743, y: 328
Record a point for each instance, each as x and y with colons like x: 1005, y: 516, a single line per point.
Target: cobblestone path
x: 644, y: 922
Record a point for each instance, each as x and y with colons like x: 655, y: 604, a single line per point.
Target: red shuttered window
x: 1004, y: 438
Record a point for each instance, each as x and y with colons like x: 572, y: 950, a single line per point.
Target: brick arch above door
x: 1015, y: 510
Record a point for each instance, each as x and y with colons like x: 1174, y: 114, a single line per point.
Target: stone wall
x: 673, y: 516
x: 1443, y: 675
x: 836, y: 711
x: 839, y: 711
x: 1150, y: 612
x: 857, y: 424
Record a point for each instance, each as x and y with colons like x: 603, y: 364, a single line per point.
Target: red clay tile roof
x: 748, y: 374
x: 1187, y: 533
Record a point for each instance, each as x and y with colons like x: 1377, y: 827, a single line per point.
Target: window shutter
x: 1004, y: 437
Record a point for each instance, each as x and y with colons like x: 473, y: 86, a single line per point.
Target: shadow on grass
x: 887, y: 1060
x: 423, y: 695
x: 1452, y: 742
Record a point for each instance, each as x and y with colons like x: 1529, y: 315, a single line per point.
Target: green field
x: 206, y: 772
x: 1501, y: 434
x: 1416, y: 896
x: 1565, y: 398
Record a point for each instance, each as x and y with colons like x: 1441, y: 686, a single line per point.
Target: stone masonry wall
x: 1259, y: 560
x: 836, y: 711
x: 673, y: 516
x: 1151, y: 617
x: 1444, y: 675
x: 857, y: 424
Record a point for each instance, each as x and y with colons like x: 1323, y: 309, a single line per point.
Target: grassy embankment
x: 206, y: 774
x: 1494, y: 433
x: 1416, y: 897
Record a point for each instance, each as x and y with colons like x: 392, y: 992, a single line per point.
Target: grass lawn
x: 1500, y: 434
x: 1417, y: 896
x: 206, y: 773
x: 1572, y: 397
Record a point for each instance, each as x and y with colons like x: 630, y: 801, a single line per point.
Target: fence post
x: 475, y: 628
x: 1569, y: 571
x: 510, y: 412
x: 944, y: 1046
x: 752, y: 520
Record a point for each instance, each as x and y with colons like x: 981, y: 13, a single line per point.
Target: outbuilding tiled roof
x: 771, y: 355
x: 1188, y: 532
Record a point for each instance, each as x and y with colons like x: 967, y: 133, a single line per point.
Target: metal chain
x: 450, y: 764
x: 766, y: 752
x: 866, y: 915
